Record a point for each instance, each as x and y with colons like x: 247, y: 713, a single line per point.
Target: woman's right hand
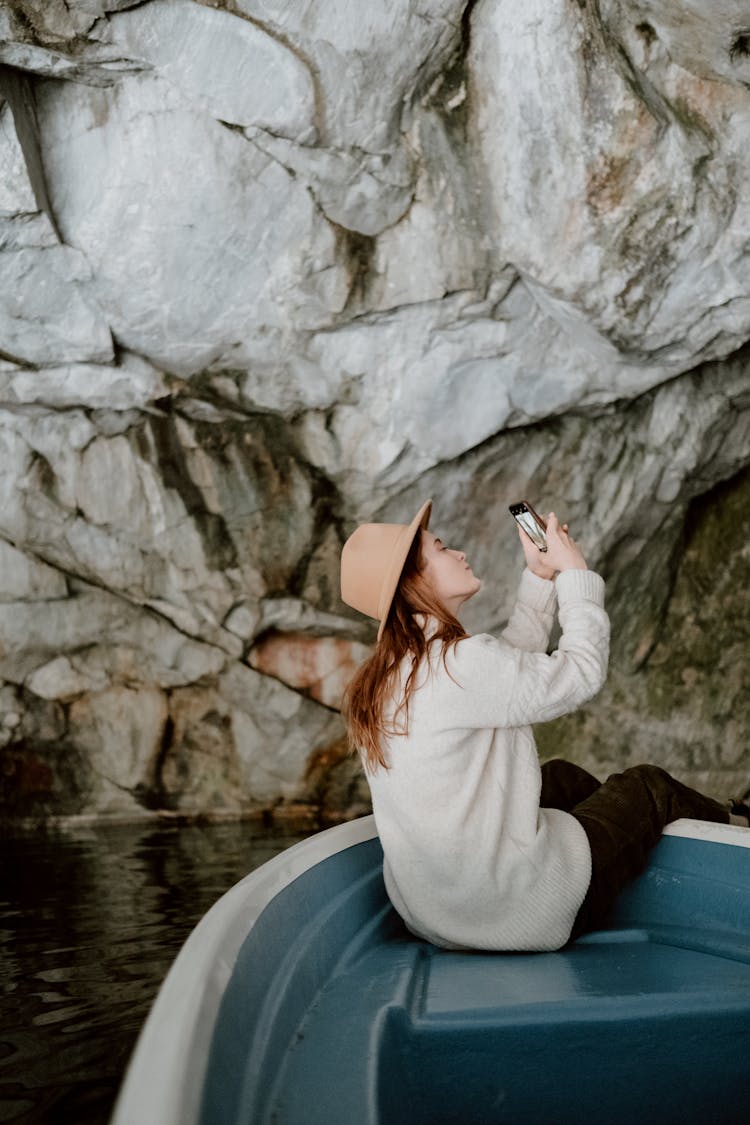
x: 563, y: 553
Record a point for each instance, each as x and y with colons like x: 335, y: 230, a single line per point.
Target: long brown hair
x: 370, y: 688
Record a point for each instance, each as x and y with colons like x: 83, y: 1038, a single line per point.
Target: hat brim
x: 396, y: 564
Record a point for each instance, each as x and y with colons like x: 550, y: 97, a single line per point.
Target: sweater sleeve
x: 497, y: 685
x: 533, y: 614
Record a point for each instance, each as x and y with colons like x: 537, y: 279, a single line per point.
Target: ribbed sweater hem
x: 586, y: 584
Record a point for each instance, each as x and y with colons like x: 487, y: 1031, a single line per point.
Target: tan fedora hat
x: 372, y: 560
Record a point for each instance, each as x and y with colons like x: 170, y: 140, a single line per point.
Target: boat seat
x: 645, y: 1020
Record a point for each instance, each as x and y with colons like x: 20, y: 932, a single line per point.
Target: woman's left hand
x: 535, y: 558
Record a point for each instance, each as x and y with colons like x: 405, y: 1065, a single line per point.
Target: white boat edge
x: 164, y: 1079
x: 165, y: 1075
x: 711, y: 833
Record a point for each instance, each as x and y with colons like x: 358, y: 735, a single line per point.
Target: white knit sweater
x: 471, y: 861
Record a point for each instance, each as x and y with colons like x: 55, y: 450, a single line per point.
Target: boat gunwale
x: 733, y: 834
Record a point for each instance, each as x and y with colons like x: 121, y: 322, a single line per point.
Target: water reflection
x: 90, y: 921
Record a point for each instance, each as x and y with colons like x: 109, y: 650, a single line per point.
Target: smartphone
x: 533, y: 524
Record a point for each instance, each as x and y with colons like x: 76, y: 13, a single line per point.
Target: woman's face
x: 448, y: 572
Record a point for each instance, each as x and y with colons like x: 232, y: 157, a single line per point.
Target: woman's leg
x: 565, y: 785
x: 623, y: 820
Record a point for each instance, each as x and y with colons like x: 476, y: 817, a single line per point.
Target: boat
x: 300, y: 997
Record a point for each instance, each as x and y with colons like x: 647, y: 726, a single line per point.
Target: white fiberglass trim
x: 164, y: 1080
x: 713, y: 833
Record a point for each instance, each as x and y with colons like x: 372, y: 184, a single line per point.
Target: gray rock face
x: 367, y: 70
x: 186, y: 294
x: 614, y: 180
x: 268, y: 269
x: 46, y: 314
x: 236, y: 72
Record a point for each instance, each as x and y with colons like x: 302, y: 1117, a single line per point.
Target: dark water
x: 90, y: 921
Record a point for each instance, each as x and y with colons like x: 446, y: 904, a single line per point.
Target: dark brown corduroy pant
x: 623, y: 818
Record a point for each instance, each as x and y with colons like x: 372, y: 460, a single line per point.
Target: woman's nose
x: 461, y: 555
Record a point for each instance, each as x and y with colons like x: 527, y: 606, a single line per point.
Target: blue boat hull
x: 354, y: 1020
x: 301, y: 998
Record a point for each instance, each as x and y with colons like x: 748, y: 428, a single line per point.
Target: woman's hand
x: 535, y: 559
x: 562, y: 552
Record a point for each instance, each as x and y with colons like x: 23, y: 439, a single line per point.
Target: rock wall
x: 268, y: 269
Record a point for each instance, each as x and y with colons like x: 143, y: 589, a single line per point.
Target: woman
x: 483, y: 850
